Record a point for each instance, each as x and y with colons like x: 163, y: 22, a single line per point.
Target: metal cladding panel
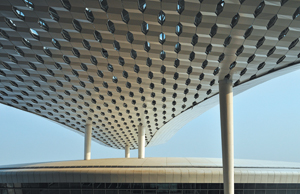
x: 116, y: 64
x: 214, y: 175
x: 176, y: 170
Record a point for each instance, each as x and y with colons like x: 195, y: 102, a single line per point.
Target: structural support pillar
x: 87, y: 142
x: 226, y: 114
x: 127, y: 151
x: 141, y: 141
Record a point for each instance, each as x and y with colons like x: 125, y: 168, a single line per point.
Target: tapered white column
x: 127, y: 151
x: 226, y: 114
x: 141, y: 134
x: 87, y: 142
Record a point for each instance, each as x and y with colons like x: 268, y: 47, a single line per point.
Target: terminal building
x: 130, y: 73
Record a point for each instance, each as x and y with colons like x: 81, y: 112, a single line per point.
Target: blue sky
x: 266, y: 127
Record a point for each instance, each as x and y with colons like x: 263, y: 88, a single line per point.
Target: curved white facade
x: 115, y: 64
x: 150, y: 170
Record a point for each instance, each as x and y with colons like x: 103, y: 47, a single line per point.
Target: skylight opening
x: 29, y: 4
x: 34, y: 34
x: 55, y: 43
x: 18, y: 13
x: 43, y: 24
x: 10, y: 23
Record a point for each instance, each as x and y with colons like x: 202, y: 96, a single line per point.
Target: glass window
x: 291, y: 191
x: 86, y: 191
x: 292, y: 186
x: 20, y: 191
x: 188, y: 191
x: 87, y: 185
x: 271, y: 186
x: 162, y: 191
x: 213, y: 191
x: 281, y: 191
x: 51, y: 191
x: 260, y: 186
x: 136, y: 191
x: 151, y: 185
x: 162, y: 186
x: 249, y: 186
x: 124, y: 191
x: 202, y: 186
x: 281, y: 186
x: 149, y: 191
x: 260, y: 192
x: 238, y: 186
x: 75, y: 185
x: 99, y: 191
x: 136, y: 186
x: 75, y: 191
x: 238, y: 191
x: 111, y: 191
x: 189, y: 186
x: 176, y: 191
x: 249, y: 191
x: 201, y: 192
x: 64, y: 191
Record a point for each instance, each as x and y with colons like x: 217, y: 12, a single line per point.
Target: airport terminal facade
x: 130, y: 73
x: 149, y: 175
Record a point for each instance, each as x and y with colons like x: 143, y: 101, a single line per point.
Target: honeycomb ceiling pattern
x: 118, y: 63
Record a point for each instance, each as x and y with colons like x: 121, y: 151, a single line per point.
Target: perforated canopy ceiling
x: 118, y: 63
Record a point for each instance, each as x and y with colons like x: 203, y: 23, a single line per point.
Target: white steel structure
x: 115, y: 64
x: 131, y: 73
